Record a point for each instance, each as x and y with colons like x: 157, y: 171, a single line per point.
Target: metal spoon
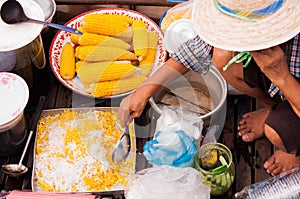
x: 17, y: 170
x: 12, y: 12
x: 122, y: 148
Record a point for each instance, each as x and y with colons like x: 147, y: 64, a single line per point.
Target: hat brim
x: 234, y: 34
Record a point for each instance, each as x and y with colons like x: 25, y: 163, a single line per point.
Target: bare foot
x: 251, y: 126
x: 281, y: 161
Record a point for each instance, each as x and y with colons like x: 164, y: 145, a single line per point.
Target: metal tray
x: 127, y: 169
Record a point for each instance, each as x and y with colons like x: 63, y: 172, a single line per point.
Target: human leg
x: 282, y: 129
x: 281, y: 161
x: 251, y: 124
x: 234, y: 75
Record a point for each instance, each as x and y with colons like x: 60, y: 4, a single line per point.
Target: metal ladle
x: 122, y: 148
x: 12, y: 12
x: 17, y: 170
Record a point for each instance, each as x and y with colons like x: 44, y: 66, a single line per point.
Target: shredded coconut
x: 73, y: 153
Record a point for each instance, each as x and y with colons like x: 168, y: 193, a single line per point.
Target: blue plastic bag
x: 173, y: 148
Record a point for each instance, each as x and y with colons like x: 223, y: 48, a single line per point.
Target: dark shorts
x: 281, y: 118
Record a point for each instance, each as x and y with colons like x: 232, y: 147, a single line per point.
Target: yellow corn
x: 67, y: 62
x: 45, y: 186
x: 147, y: 63
x: 110, y: 88
x: 140, y: 38
x: 91, y: 39
x: 105, y: 71
x: 107, y: 24
x: 103, y: 53
x: 78, y: 64
x: 75, y: 37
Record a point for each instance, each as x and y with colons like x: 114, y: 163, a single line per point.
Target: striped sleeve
x: 194, y: 54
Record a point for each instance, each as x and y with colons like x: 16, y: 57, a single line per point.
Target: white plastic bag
x: 176, y: 139
x: 168, y: 183
x: 180, y: 119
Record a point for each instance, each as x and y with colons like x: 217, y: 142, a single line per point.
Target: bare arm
x: 133, y: 105
x: 273, y: 64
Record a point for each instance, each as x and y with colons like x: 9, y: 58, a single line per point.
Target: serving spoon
x: 17, y: 170
x: 12, y: 12
x: 122, y: 148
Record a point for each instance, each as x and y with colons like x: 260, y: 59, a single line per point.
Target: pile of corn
x: 73, y: 153
x: 115, y: 54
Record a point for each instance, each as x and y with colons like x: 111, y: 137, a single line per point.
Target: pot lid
x: 14, y: 94
x: 15, y: 36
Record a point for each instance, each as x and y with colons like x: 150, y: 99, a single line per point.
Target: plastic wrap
x: 180, y: 11
x: 168, y: 183
x: 285, y: 185
x: 176, y: 139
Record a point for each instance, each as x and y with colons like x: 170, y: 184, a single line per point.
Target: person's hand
x: 272, y: 63
x: 132, y: 106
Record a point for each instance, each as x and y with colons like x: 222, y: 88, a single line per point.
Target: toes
x: 246, y: 115
x: 248, y: 137
x: 242, y: 121
x: 274, y: 169
x: 269, y: 162
x: 243, y: 128
x: 243, y: 131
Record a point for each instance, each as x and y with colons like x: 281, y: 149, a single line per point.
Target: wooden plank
x: 64, y: 97
x: 243, y: 149
x: 154, y: 12
x: 263, y: 151
x: 228, y: 136
x: 66, y: 12
x: 115, y: 2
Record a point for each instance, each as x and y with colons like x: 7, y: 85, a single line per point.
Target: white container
x: 213, y: 83
x: 49, y: 9
x: 14, y: 94
x: 177, y: 33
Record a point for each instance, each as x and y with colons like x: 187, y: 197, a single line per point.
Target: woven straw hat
x: 229, y: 32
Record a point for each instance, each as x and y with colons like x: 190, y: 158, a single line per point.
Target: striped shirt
x: 196, y: 55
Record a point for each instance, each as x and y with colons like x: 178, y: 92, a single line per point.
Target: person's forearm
x: 169, y: 71
x: 290, y: 88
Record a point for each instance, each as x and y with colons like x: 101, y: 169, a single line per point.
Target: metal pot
x: 14, y: 97
x: 212, y: 83
x: 21, y: 48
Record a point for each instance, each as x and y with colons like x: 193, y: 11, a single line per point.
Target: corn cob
x: 67, y: 62
x: 109, y: 88
x: 140, y: 38
x: 103, y: 53
x: 147, y: 63
x: 91, y: 39
x: 107, y: 24
x: 105, y: 71
x: 75, y: 37
x: 78, y: 64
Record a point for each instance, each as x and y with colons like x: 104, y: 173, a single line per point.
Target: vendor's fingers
x: 124, y: 112
x: 135, y: 114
